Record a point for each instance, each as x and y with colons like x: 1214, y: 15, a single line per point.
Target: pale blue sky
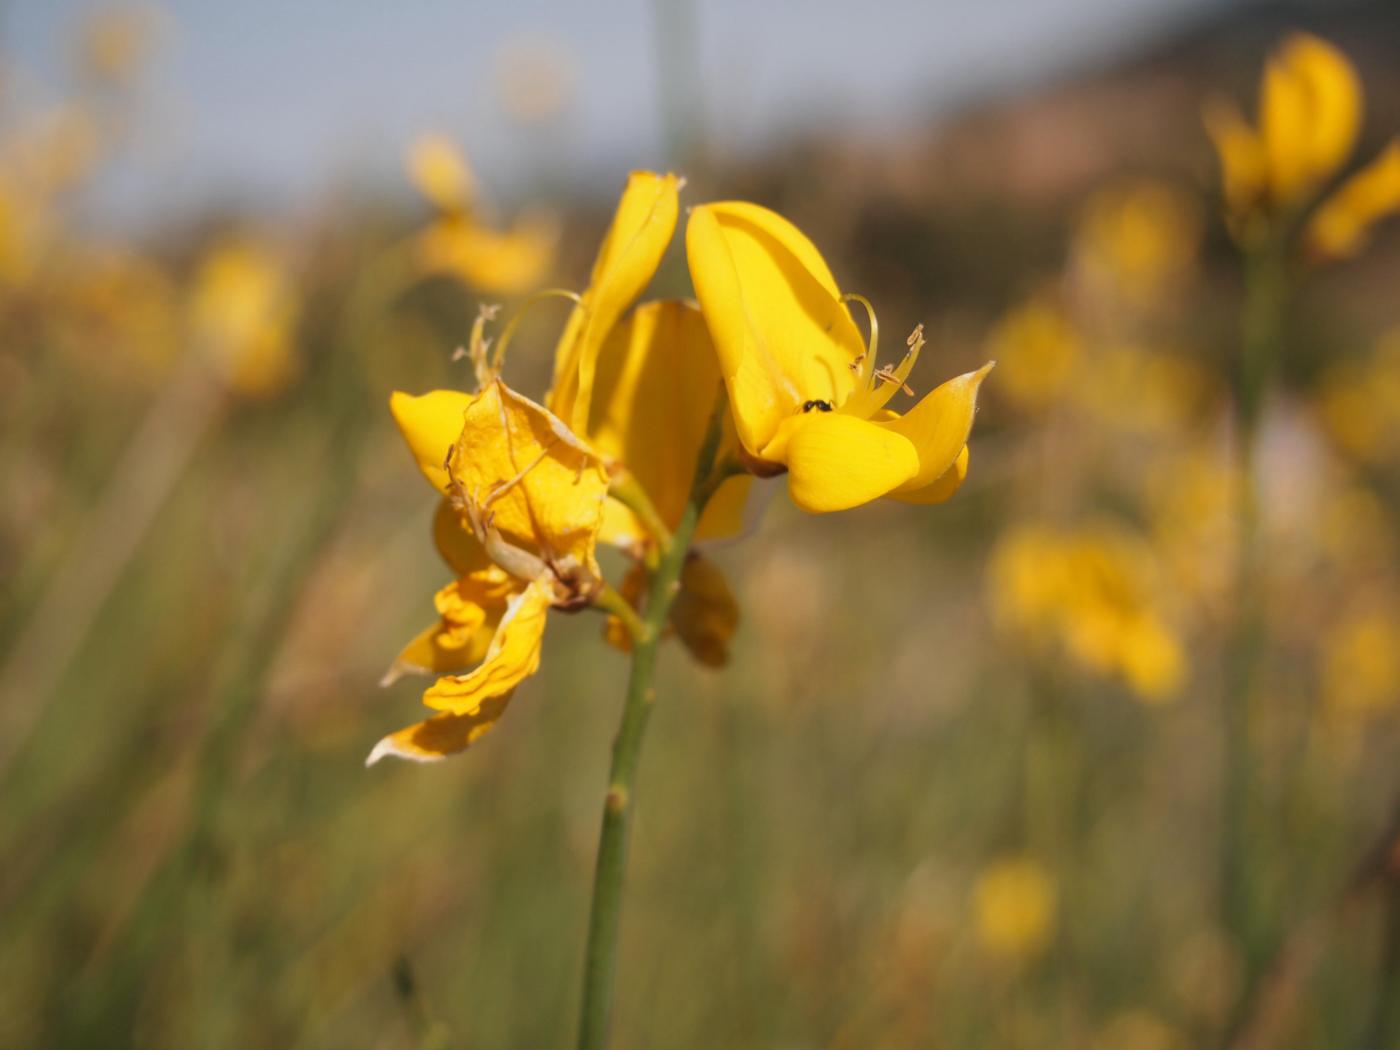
x: 279, y: 98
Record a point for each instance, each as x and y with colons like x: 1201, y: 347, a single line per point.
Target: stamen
x: 872, y: 348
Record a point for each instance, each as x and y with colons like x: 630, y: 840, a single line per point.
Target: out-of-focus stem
x: 1265, y: 293
x: 600, y: 958
x: 140, y: 484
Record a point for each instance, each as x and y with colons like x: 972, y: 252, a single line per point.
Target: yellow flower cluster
x: 1094, y: 594
x: 611, y: 454
x: 1310, y: 106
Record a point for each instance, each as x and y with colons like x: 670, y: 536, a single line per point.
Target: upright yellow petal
x: 514, y: 655
x: 938, y: 427
x: 630, y: 253
x: 440, y: 172
x: 1340, y: 226
x: 656, y: 387
x: 431, y: 424
x: 836, y: 462
x: 1310, y: 113
x: 1243, y: 166
x: 783, y: 336
x: 529, y: 478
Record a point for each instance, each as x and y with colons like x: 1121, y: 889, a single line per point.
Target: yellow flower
x: 1359, y: 402
x: 458, y: 243
x: 1015, y: 904
x: 1036, y: 348
x: 1093, y: 594
x: 805, y: 392
x: 1138, y: 240
x: 1361, y: 663
x: 525, y: 501
x: 1310, y: 105
x: 243, y: 313
x: 1309, y: 115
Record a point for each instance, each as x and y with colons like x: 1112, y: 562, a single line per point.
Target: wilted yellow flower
x: 1015, y: 905
x: 1361, y: 663
x: 1093, y: 594
x: 1138, y: 240
x: 1037, y: 349
x: 530, y: 495
x: 458, y: 243
x: 1310, y: 105
x: 243, y: 313
x: 806, y: 393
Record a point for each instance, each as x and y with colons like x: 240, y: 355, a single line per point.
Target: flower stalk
x: 600, y: 958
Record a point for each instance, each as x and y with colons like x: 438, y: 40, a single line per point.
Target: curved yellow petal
x: 940, y: 490
x: 938, y: 426
x: 430, y: 423
x: 836, y: 462
x: 456, y: 543
x: 514, y: 655
x: 641, y: 229
x: 437, y: 737
x: 782, y: 334
x: 1243, y: 166
x: 1340, y: 226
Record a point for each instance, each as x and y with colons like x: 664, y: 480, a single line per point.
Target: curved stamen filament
x: 864, y: 365
x: 547, y: 293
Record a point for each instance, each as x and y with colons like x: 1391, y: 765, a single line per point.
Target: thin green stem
x: 600, y: 959
x: 1265, y: 294
x: 625, y: 489
x: 610, y: 601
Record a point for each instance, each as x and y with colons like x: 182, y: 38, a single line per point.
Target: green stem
x: 1265, y: 293
x: 600, y: 959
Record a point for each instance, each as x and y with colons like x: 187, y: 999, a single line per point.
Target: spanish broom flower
x: 458, y: 243
x: 807, y: 394
x: 1310, y: 107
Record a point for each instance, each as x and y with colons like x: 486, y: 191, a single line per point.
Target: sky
x: 277, y: 99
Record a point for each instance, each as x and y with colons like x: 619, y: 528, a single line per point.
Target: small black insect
x: 821, y: 406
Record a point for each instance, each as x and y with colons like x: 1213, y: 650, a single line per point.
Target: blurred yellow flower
x: 1037, y: 349
x: 1359, y: 402
x: 805, y: 391
x: 457, y: 243
x: 1361, y: 663
x: 1015, y: 906
x: 1137, y: 1030
x: 242, y: 313
x: 1093, y: 594
x: 1138, y: 240
x: 1135, y: 389
x: 115, y: 41
x: 1310, y: 105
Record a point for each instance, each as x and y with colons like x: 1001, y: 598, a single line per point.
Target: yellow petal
x: 773, y: 309
x: 938, y: 426
x: 657, y: 381
x: 439, y: 171
x: 1243, y: 167
x: 514, y: 655
x: 469, y: 610
x: 631, y: 251
x: 1340, y: 226
x: 430, y: 423
x: 726, y: 515
x: 493, y: 262
x: 705, y: 614
x: 1310, y: 113
x: 456, y: 543
x: 941, y: 490
x: 437, y: 737
x: 529, y: 478
x: 836, y: 462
